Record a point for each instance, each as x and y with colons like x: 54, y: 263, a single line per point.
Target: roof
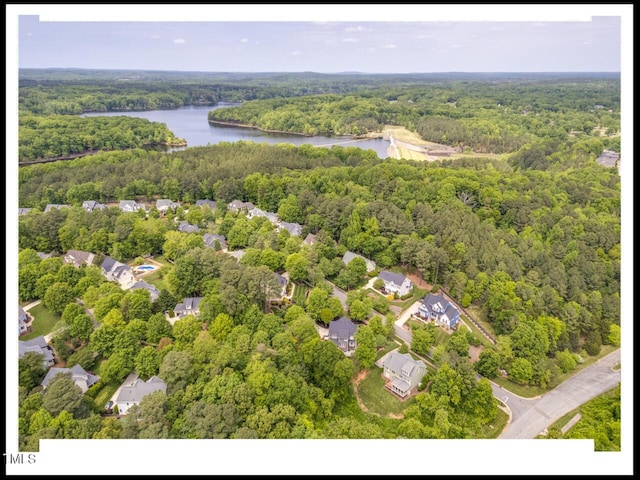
x: 22, y: 315
x: 608, y: 158
x: 44, y: 256
x: 189, y: 304
x: 107, y: 264
x: 81, y: 377
x: 211, y: 203
x: 237, y: 254
x: 139, y: 389
x: 392, y: 277
x: 37, y: 345
x: 165, y: 203
x: 292, y: 228
x: 401, y: 384
x: 310, y: 239
x: 52, y: 206
x: 438, y: 304
x: 78, y: 257
x: 24, y: 211
x: 210, y: 240
x: 188, y: 228
x: 342, y: 328
x: 130, y: 203
x: 402, y: 364
x: 281, y: 280
x: 152, y: 289
x: 90, y: 205
x: 347, y: 257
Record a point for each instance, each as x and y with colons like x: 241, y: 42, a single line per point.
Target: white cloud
x: 179, y: 41
x: 388, y: 45
x: 28, y: 34
x: 456, y: 45
x: 244, y: 40
x: 357, y: 29
x: 295, y: 52
x: 350, y: 40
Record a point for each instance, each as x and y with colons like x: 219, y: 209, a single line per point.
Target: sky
x: 326, y: 39
x: 320, y: 38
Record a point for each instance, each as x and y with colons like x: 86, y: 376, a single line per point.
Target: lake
x: 191, y: 123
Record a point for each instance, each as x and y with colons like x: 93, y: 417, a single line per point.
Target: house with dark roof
x: 24, y: 321
x: 211, y: 238
x: 438, y: 309
x: 37, y: 345
x: 396, y: 283
x: 152, y: 289
x: 128, y: 206
x: 186, y: 227
x: 115, y: 271
x: 295, y: 229
x: 24, y: 211
x: 237, y: 206
x: 55, y: 206
x: 133, y: 393
x: 164, y: 204
x: 91, y: 205
x: 402, y: 372
x: 189, y: 306
x: 347, y: 257
x: 202, y: 203
x: 342, y: 333
x: 79, y: 375
x: 77, y: 258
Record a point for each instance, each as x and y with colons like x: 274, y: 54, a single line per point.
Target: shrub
x: 408, y: 295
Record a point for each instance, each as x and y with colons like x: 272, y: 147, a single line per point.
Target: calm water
x: 191, y: 124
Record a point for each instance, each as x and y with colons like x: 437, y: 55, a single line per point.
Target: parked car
x: 109, y: 406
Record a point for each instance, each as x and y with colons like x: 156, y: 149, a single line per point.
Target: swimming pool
x: 145, y: 268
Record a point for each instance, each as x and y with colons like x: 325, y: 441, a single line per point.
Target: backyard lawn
x: 378, y: 399
x: 43, y: 322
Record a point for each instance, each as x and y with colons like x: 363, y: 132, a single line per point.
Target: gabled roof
x: 342, y: 328
x: 281, y: 280
x: 52, y: 206
x: 166, y: 203
x: 81, y: 377
x: 348, y: 256
x: 136, y: 392
x: 189, y: 304
x: 152, y: 289
x: 292, y: 228
x: 187, y: 227
x: 132, y: 204
x: 211, y: 203
x: 402, y: 364
x: 90, y: 205
x: 37, y: 345
x: 210, y: 240
x: 78, y: 257
x: 392, y: 277
x: 24, y: 211
x: 107, y: 264
x: 310, y: 239
x: 436, y: 303
x: 22, y: 315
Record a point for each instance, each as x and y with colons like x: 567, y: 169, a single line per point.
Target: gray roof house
x: 238, y: 206
x: 396, y: 283
x: 403, y: 372
x: 115, y: 271
x: 77, y: 258
x: 341, y: 332
x: 91, y: 205
x: 164, y: 204
x: 210, y: 241
x: 44, y: 256
x: 23, y: 321
x: 130, y: 206
x: 37, y: 345
x: 295, y: 229
x: 52, y: 206
x: 282, y: 290
x: 189, y: 306
x: 81, y: 378
x: 211, y: 203
x: 24, y: 211
x: 256, y: 212
x: 608, y: 158
x: 188, y: 228
x: 237, y: 254
x: 133, y: 393
x: 153, y: 291
x: 436, y: 308
x: 347, y: 257
x: 310, y: 239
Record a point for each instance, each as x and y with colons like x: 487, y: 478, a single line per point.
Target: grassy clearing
x: 43, y: 322
x: 404, y: 135
x: 478, y: 316
x: 157, y: 278
x: 300, y: 294
x: 408, y: 154
x: 484, y: 340
x: 494, y: 429
x: 377, y: 399
x: 105, y: 394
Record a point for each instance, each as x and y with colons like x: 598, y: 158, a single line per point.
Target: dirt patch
x: 474, y: 352
x: 420, y: 283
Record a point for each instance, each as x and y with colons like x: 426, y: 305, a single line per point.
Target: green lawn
x: 484, y: 340
x: 494, y: 429
x: 105, y: 394
x: 43, y: 322
x: 378, y: 399
x: 300, y: 294
x: 157, y: 278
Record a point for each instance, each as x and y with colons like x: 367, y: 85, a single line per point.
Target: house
x: 131, y: 394
x: 24, y: 211
x: 130, y: 206
x: 282, y: 289
x: 80, y: 377
x: 346, y: 259
x: 188, y: 228
x: 256, y: 212
x: 52, y: 206
x: 153, y: 291
x: 341, y: 332
x: 211, y: 238
x: 164, y: 204
x: 202, y: 203
x: 91, y: 205
x: 608, y: 158
x: 310, y: 239
x: 37, y: 345
x: 403, y: 372
x: 189, y: 306
x: 238, y: 206
x: 77, y: 258
x: 436, y: 308
x: 396, y: 283
x: 237, y: 254
x: 44, y: 256
x: 115, y: 271
x: 23, y: 321
x: 295, y: 229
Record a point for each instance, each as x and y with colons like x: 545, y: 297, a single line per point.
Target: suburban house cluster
x: 251, y: 211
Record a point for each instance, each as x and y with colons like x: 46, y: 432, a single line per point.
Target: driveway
x: 340, y: 295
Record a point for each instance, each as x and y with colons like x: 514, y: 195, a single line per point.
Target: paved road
x: 340, y: 295
x: 529, y: 417
x: 401, y: 332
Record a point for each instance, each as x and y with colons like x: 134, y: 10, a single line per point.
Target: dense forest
x: 530, y: 242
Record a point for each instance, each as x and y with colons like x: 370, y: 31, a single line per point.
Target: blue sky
x: 336, y: 41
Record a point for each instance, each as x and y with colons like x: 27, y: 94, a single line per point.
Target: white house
x: 210, y: 241
x: 396, y: 283
x: 23, y: 321
x: 342, y: 333
x: 403, y: 372
x: 164, y: 204
x: 132, y: 394
x: 436, y: 308
x: 79, y: 375
x: 77, y: 258
x: 239, y: 206
x: 130, y: 206
x: 91, y: 205
x: 256, y: 212
x: 37, y: 345
x: 346, y: 259
x: 118, y: 272
x: 189, y: 306
x: 295, y: 229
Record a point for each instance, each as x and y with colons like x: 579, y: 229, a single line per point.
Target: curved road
x: 531, y: 416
